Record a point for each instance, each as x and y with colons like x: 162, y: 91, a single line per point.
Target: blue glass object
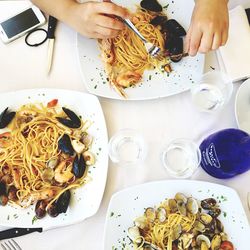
x: 226, y: 153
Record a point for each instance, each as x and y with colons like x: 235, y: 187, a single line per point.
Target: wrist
x: 68, y: 11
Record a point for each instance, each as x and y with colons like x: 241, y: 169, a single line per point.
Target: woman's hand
x: 209, y: 26
x: 95, y: 19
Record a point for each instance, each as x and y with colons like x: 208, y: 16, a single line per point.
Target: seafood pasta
x: 125, y: 56
x: 180, y: 223
x: 43, y: 155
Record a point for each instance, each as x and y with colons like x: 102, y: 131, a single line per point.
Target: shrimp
x: 128, y: 78
x: 44, y: 194
x: 63, y: 173
x: 16, y: 177
x: 107, y: 55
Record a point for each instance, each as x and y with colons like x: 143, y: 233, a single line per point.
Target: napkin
x: 234, y: 57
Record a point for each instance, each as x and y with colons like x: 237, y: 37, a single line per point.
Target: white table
x: 23, y: 67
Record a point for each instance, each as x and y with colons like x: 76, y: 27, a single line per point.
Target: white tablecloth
x: 160, y: 121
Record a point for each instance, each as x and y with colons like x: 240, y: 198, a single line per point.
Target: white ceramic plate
x: 242, y: 106
x: 85, y: 201
x: 185, y: 72
x: 128, y: 204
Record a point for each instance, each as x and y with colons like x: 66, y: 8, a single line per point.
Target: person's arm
x: 91, y: 19
x: 209, y: 26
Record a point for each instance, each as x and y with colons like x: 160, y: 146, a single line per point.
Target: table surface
x: 22, y: 67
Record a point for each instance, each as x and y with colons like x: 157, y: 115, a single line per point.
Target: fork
x: 151, y: 48
x: 10, y: 245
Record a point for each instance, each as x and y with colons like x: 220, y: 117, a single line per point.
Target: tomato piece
x: 52, y: 103
x: 226, y: 245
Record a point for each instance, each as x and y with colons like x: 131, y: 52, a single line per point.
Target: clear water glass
x: 212, y: 92
x: 127, y: 147
x: 181, y: 158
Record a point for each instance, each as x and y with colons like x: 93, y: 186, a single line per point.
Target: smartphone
x: 248, y: 15
x: 19, y: 24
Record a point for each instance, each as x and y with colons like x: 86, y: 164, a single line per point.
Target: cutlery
x: 10, y: 245
x: 51, y: 41
x: 151, y: 48
x: 16, y: 232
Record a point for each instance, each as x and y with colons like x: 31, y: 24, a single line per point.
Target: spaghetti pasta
x: 179, y: 223
x: 34, y: 164
x: 125, y: 57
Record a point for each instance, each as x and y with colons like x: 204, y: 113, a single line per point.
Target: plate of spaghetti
x: 121, y: 68
x: 52, y: 157
x: 176, y: 214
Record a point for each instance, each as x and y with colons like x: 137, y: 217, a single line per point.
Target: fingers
x: 112, y: 9
x: 195, y: 40
x: 206, y: 41
x: 224, y: 37
x: 106, y: 32
x: 109, y: 22
x: 187, y: 41
x: 216, y: 41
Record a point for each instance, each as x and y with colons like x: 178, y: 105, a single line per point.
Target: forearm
x: 57, y: 8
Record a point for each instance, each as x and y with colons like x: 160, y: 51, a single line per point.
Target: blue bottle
x: 226, y: 153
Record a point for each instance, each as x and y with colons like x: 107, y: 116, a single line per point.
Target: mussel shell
x: 52, y: 210
x: 216, y: 242
x: 182, y: 208
x: 64, y: 144
x: 73, y: 121
x: 174, y: 28
x: 150, y: 214
x: 79, y: 166
x: 161, y: 214
x: 6, y: 118
x: 208, y: 203
x: 192, y: 205
x: 151, y: 5
x: 62, y: 202
x: 67, y: 122
x: 172, y: 205
x: 40, y: 209
x: 206, y: 218
x: 201, y: 237
x: 180, y: 197
x: 72, y: 116
x: 12, y: 193
x: 214, y: 212
x: 3, y: 200
x: 2, y: 188
x: 219, y: 226
x: 159, y: 20
x: 175, y: 48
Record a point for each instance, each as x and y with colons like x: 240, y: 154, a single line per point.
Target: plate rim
x: 237, y: 96
x: 158, y: 182
x: 116, y: 96
x: 104, y: 136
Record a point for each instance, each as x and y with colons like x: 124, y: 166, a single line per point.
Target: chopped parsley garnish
x: 34, y: 219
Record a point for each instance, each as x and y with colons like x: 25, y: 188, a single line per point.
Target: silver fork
x: 151, y: 48
x: 10, y: 245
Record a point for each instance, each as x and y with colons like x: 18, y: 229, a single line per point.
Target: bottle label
x: 209, y: 156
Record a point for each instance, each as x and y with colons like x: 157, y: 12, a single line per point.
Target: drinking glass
x: 212, y: 92
x: 127, y: 147
x: 181, y: 158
